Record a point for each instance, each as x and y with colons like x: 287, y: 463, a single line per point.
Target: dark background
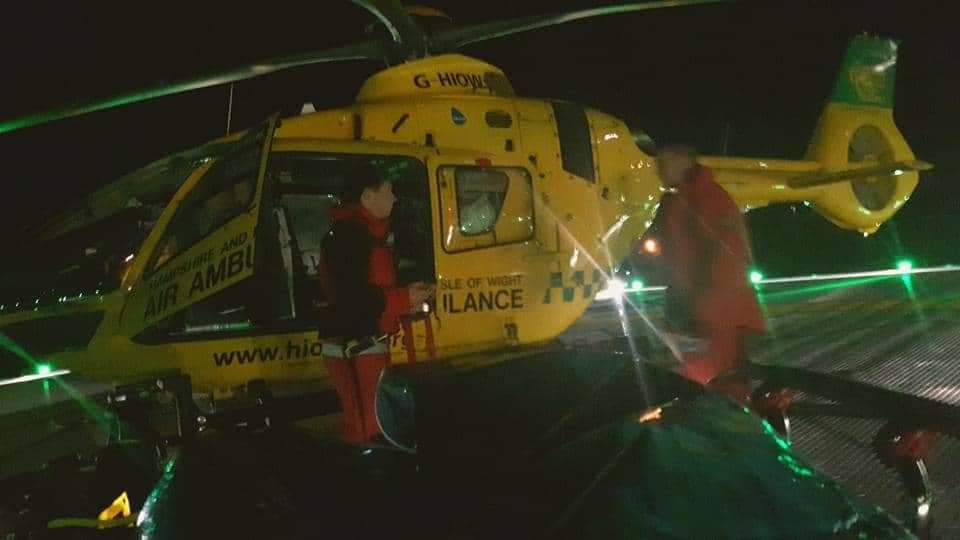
x: 757, y: 70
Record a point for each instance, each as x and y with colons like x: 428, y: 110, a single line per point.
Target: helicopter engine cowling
x: 448, y: 74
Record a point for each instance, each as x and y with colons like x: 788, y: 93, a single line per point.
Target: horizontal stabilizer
x: 886, y: 169
x: 768, y: 168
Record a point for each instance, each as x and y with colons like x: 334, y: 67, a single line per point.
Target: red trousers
x: 355, y: 381
x: 724, y: 352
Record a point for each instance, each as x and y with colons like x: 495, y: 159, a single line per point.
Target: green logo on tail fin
x: 868, y: 73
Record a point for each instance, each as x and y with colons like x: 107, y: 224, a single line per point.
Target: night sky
x: 759, y: 69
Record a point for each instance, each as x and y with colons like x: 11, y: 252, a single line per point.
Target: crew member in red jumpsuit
x: 360, y: 280
x: 707, y: 257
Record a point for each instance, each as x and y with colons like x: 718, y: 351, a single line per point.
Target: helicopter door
x: 487, y: 229
x: 308, y: 186
x: 206, y: 241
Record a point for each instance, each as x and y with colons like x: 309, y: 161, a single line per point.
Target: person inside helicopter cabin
x: 706, y: 256
x: 367, y: 302
x: 213, y: 212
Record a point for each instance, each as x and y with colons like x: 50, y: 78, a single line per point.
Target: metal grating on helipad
x: 841, y: 447
x: 892, y: 332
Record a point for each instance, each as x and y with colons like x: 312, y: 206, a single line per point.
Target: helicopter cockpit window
x: 225, y: 193
x: 494, y: 206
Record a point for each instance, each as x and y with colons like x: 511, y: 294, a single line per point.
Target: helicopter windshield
x: 153, y: 184
x: 87, y: 248
x: 87, y: 261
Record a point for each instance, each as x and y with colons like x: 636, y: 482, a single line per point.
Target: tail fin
x: 868, y: 75
x: 856, y: 130
x: 859, y: 170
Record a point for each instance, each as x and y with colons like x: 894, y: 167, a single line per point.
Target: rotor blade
x: 403, y: 30
x: 454, y: 39
x: 368, y: 50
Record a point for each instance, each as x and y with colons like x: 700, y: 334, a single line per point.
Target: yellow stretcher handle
x: 106, y: 520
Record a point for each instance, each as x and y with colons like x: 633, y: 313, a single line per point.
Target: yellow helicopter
x: 205, y: 263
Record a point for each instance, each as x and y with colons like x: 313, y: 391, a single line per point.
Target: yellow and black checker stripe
x: 567, y: 288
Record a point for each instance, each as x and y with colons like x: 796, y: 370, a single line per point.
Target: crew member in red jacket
x: 707, y: 255
x: 367, y: 302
